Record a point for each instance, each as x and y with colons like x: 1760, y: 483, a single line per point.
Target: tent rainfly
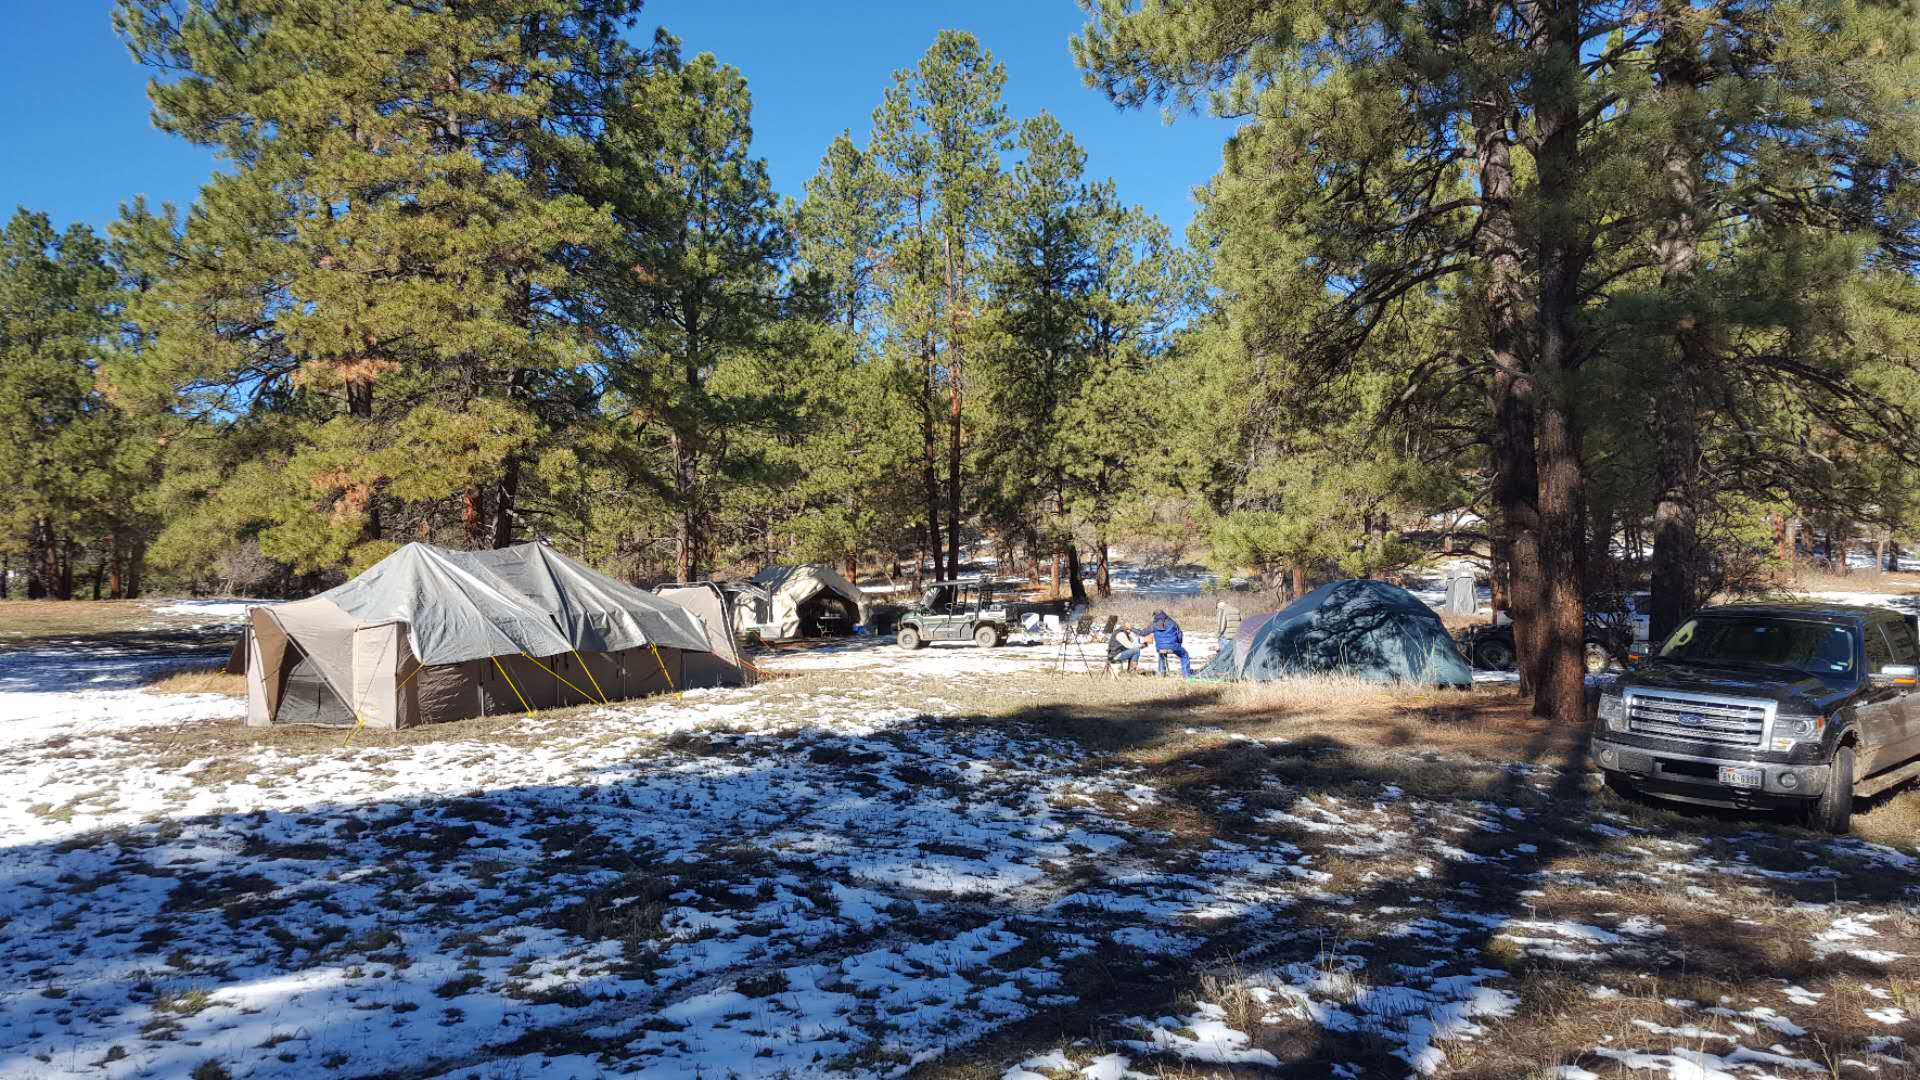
x: 429, y: 634
x: 1368, y: 629
x: 802, y: 601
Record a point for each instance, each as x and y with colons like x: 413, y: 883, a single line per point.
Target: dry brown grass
x: 209, y: 680
x: 1808, y: 579
x: 1195, y: 614
x: 44, y: 618
x: 1892, y: 819
x: 1153, y: 720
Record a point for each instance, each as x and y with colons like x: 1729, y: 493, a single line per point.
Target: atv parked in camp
x: 959, y: 611
x: 1491, y: 648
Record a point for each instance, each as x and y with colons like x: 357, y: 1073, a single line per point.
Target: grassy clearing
x: 28, y: 619
x: 1809, y: 579
x: 208, y: 680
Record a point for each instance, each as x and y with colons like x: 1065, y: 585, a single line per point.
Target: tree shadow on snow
x: 986, y: 887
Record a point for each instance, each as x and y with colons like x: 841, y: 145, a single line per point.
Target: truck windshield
x: 1816, y: 648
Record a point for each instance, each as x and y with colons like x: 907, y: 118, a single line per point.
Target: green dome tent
x: 1368, y: 629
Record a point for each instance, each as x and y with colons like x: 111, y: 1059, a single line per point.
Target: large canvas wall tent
x: 429, y: 635
x: 799, y: 602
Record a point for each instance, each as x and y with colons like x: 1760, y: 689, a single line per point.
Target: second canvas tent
x: 430, y: 634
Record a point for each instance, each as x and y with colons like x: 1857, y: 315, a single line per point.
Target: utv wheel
x: 986, y: 637
x: 909, y: 638
x: 1598, y: 658
x: 1833, y: 811
x: 1493, y: 654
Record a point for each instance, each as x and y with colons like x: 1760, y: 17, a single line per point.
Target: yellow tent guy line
x: 562, y: 678
x: 663, y: 665
x: 596, y: 682
x: 361, y: 721
x: 516, y: 690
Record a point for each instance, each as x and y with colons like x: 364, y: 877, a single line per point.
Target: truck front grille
x: 1721, y: 720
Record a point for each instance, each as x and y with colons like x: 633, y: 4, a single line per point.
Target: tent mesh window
x: 305, y: 698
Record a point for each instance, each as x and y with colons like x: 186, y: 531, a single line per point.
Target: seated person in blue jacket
x: 1168, y: 639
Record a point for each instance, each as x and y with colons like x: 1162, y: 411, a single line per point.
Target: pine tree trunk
x: 6, y: 572
x: 1675, y: 583
x: 99, y: 575
x: 1103, y: 579
x: 506, y: 495
x: 1075, y: 587
x: 66, y: 568
x: 43, y: 563
x: 930, y: 473
x: 956, y: 365
x: 136, y: 568
x: 472, y: 516
x: 1497, y: 570
x: 1562, y: 691
x: 360, y: 407
x: 116, y: 556
x: 1516, y: 487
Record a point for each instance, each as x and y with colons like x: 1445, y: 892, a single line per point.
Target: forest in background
x: 1613, y: 291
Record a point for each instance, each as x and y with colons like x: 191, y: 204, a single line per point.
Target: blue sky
x: 76, y: 141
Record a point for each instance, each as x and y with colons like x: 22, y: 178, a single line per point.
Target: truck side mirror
x: 1897, y: 675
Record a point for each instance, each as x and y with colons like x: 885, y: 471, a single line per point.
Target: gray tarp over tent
x: 1368, y: 629
x: 430, y: 634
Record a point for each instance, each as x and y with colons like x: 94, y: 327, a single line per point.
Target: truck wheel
x: 1493, y: 654
x: 1833, y: 811
x: 986, y: 637
x: 909, y: 638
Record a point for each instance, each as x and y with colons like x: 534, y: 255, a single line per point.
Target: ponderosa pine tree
x: 1085, y: 293
x: 60, y: 440
x: 1489, y: 155
x: 684, y: 299
x: 382, y: 253
x: 938, y: 137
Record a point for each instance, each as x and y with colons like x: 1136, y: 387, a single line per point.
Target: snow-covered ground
x: 66, y: 686
x: 866, y: 868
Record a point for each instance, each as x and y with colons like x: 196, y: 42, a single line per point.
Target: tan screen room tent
x: 429, y: 634
x: 722, y: 666
x: 808, y: 601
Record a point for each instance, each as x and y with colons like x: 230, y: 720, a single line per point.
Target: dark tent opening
x: 306, y: 697
x: 826, y: 615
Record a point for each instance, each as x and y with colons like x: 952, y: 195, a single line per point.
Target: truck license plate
x: 1735, y: 777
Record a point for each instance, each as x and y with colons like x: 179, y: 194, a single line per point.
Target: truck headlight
x: 1613, y: 710
x: 1788, y: 730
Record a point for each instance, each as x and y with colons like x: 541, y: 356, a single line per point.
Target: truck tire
x: 1832, y: 812
x: 1493, y: 654
x: 986, y: 637
x: 909, y: 638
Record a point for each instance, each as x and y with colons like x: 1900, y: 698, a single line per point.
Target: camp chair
x: 1071, y: 637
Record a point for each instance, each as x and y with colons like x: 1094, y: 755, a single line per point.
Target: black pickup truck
x: 1796, y: 705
